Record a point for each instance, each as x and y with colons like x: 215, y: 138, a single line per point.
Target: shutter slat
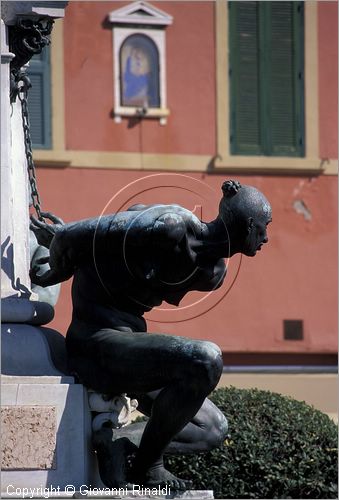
x: 35, y: 108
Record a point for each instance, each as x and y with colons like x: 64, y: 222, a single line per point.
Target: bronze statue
x: 123, y: 265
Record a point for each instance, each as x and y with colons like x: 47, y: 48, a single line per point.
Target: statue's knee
x: 208, y: 365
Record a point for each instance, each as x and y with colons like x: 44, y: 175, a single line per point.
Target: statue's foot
x: 158, y: 476
x: 112, y: 457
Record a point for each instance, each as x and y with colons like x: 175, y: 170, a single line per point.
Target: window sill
x: 161, y: 113
x: 277, y: 165
x: 240, y: 164
x: 51, y: 157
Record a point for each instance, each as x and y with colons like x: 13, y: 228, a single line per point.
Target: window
x: 266, y: 67
x: 306, y: 157
x: 46, y: 102
x: 139, y: 69
x: 39, y: 99
x: 139, y: 61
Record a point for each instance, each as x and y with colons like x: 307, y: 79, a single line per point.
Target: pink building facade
x: 276, y: 308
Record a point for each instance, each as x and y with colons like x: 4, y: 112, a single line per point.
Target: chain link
x: 23, y: 94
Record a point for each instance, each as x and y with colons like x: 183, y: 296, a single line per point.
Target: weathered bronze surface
x: 123, y: 265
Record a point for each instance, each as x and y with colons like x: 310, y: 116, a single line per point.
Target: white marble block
x: 46, y: 432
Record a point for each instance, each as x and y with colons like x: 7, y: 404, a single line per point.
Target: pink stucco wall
x: 190, y: 56
x: 293, y: 277
x: 328, y: 78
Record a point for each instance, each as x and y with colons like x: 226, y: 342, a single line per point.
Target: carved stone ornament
x: 116, y: 410
x: 27, y: 38
x: 38, y: 9
x: 29, y: 26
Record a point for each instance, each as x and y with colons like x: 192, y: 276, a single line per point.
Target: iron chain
x: 23, y: 95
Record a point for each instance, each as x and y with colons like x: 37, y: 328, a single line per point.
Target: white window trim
x: 137, y: 17
x: 158, y: 37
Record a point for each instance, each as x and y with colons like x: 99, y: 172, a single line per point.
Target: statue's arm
x: 44, y: 232
x: 71, y: 245
x: 39, y: 260
x: 58, y: 270
x: 68, y: 245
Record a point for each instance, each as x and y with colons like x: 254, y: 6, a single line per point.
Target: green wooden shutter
x: 285, y: 78
x: 39, y: 99
x: 244, y: 78
x: 266, y: 78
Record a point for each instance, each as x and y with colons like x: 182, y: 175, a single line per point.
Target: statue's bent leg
x: 184, y: 370
x: 206, y: 431
x: 112, y: 457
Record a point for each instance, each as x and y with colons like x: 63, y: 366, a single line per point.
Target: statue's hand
x: 45, y: 232
x: 36, y: 267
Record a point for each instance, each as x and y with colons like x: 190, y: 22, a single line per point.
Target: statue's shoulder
x: 156, y: 211
x: 176, y: 213
x: 176, y: 222
x: 168, y: 223
x: 186, y: 217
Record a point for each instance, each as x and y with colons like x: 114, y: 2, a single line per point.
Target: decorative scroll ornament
x: 27, y: 38
x: 116, y: 411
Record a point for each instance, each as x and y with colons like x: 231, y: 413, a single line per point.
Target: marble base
x: 46, y: 433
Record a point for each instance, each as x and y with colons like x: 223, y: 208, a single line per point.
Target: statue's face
x: 257, y: 234
x: 249, y: 213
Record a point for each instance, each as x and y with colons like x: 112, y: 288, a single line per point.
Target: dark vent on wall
x: 293, y: 329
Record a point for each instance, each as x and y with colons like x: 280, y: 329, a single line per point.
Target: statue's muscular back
x: 142, y: 257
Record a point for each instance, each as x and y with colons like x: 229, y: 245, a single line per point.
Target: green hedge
x: 277, y: 447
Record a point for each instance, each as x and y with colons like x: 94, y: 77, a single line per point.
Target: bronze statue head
x: 245, y: 213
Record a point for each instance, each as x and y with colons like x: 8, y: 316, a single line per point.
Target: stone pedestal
x: 15, y: 242
x: 46, y: 423
x: 45, y: 418
x: 45, y: 432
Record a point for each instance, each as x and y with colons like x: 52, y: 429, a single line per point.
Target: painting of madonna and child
x: 139, y: 69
